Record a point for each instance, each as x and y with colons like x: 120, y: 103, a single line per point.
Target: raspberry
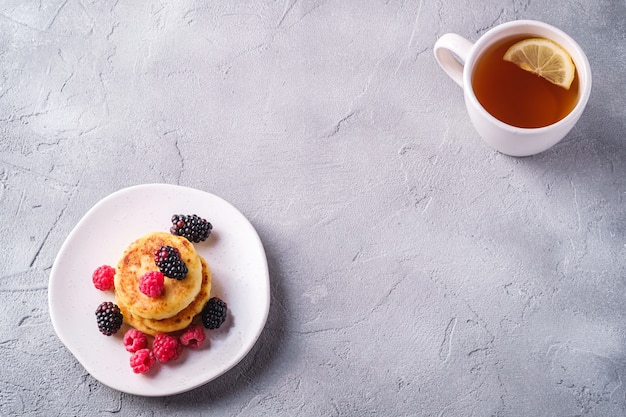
x: 142, y: 360
x: 134, y: 340
x: 192, y: 227
x: 109, y: 318
x: 103, y: 276
x: 152, y: 284
x: 167, y: 258
x: 166, y: 348
x: 193, y: 337
x: 214, y: 313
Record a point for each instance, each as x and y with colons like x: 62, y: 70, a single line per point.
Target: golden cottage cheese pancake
x: 181, y: 320
x: 138, y: 259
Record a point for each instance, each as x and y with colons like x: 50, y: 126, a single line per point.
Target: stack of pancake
x: 180, y: 301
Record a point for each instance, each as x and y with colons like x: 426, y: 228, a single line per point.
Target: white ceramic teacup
x: 458, y: 56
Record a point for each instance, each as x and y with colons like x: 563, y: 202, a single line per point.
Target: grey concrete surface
x: 414, y: 271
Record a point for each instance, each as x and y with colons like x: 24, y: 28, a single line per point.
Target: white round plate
x: 234, y: 253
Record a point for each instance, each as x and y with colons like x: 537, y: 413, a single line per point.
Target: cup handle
x: 451, y: 52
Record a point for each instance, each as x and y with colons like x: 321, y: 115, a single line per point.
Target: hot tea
x: 518, y: 97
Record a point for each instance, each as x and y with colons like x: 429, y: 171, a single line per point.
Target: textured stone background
x: 414, y: 271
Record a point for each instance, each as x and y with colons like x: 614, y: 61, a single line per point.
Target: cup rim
x: 578, y: 56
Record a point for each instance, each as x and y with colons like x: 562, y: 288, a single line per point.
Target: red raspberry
x: 166, y: 348
x: 142, y: 360
x: 193, y: 337
x: 103, y: 276
x: 135, y: 340
x: 152, y: 283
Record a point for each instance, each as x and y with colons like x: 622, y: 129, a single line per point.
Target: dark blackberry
x: 192, y: 227
x: 214, y: 313
x: 167, y: 258
x: 109, y: 318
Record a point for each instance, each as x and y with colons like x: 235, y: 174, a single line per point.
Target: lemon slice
x: 545, y: 58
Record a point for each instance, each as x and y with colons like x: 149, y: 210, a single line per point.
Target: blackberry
x: 167, y: 258
x: 214, y: 313
x: 109, y: 318
x: 192, y: 227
